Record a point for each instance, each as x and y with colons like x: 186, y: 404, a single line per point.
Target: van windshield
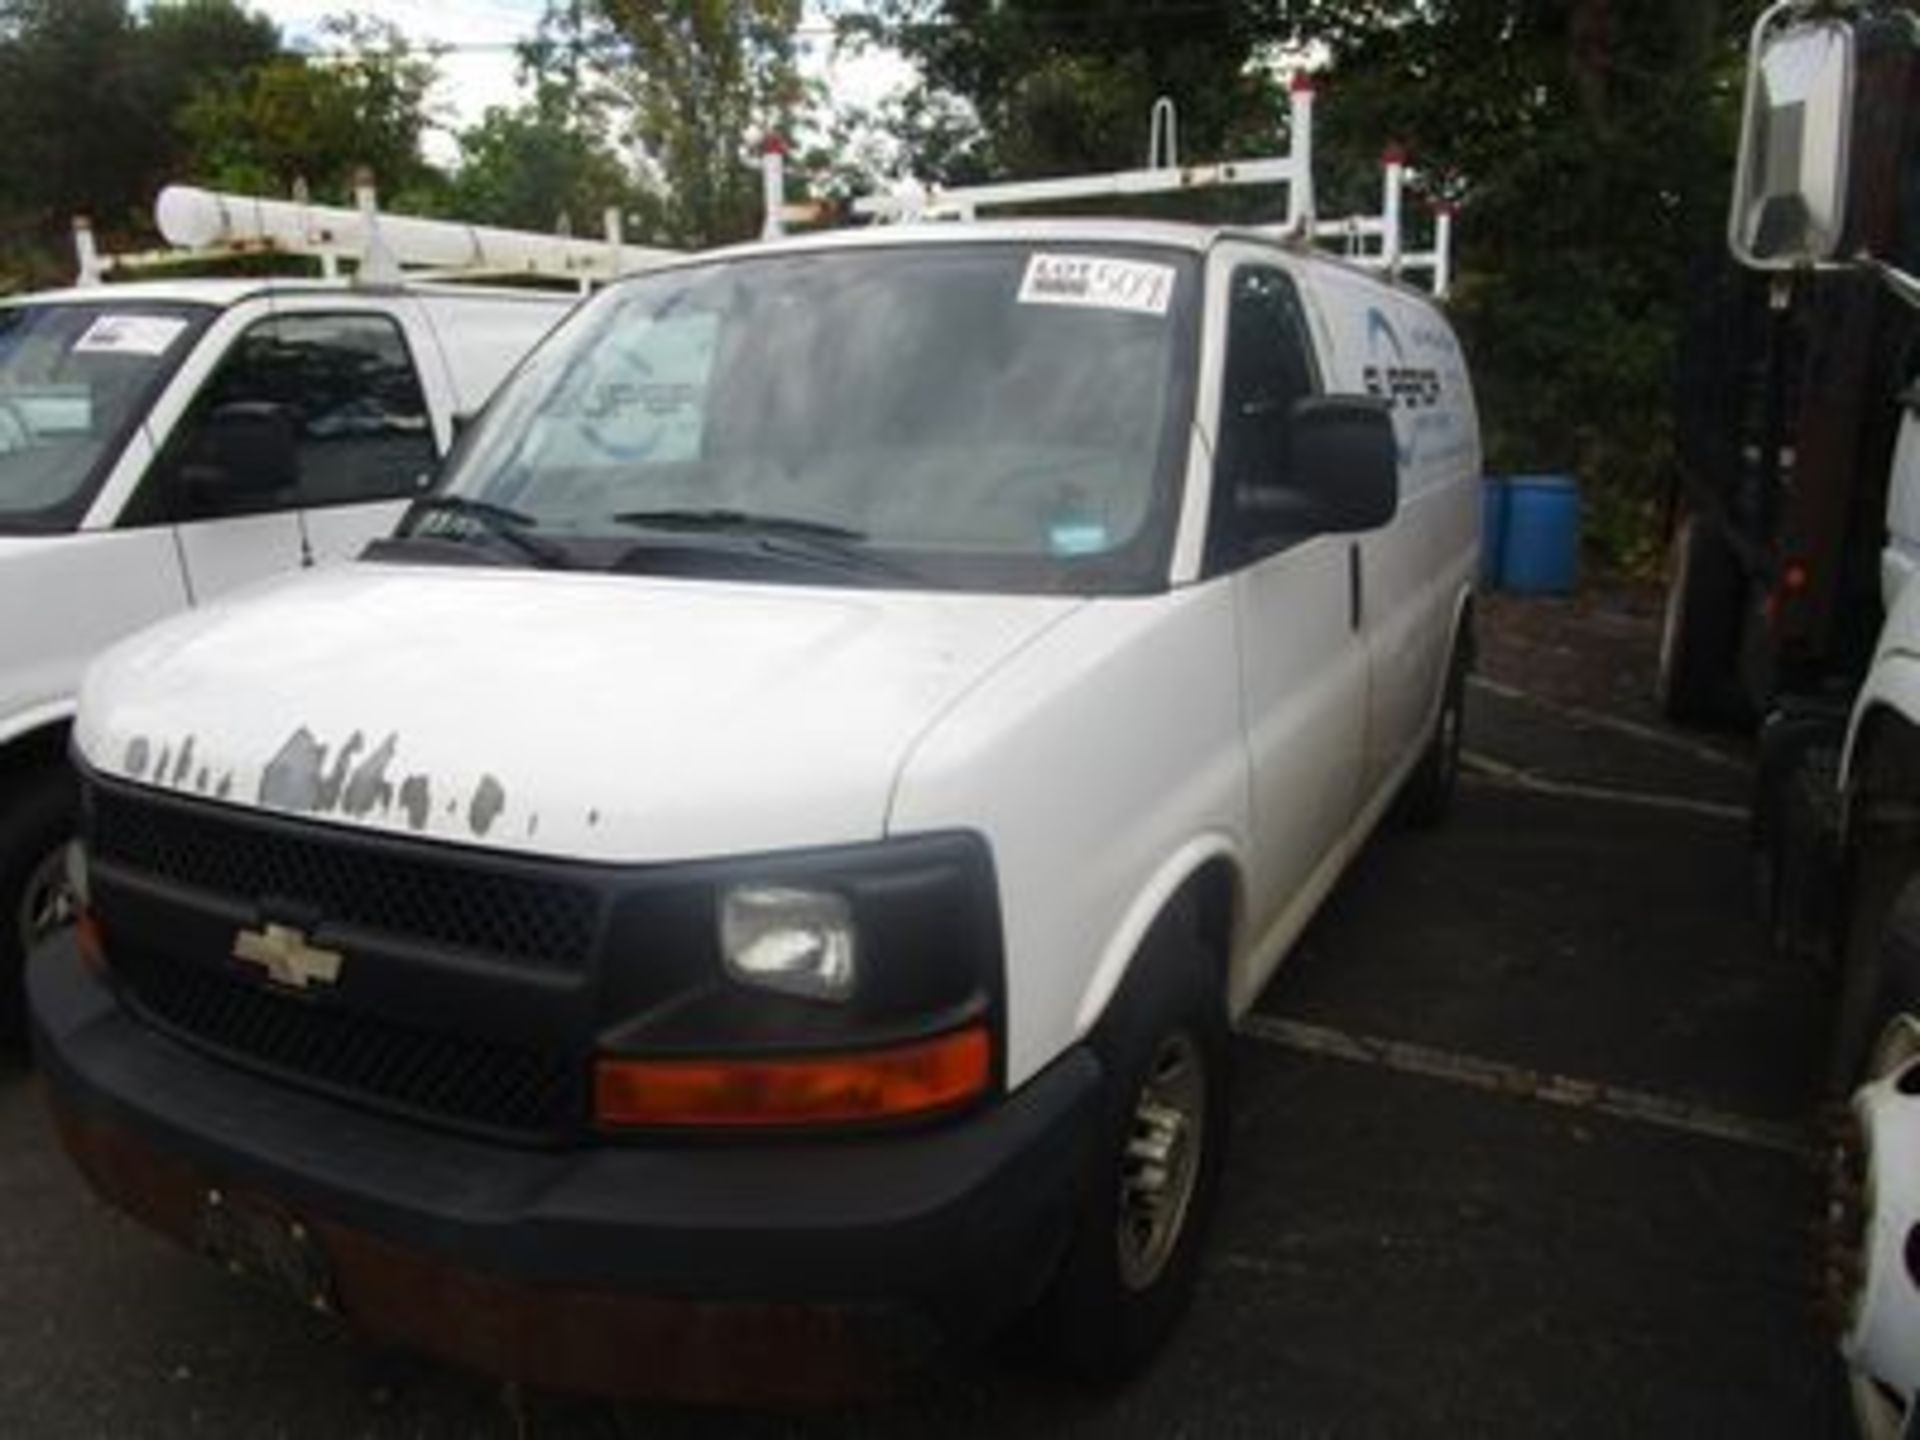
x: 74, y: 380
x: 970, y: 414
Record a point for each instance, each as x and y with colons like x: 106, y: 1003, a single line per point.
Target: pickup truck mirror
x: 245, y: 450
x: 1343, y: 476
x: 1790, y: 195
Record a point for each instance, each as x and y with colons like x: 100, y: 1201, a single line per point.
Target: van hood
x: 611, y: 718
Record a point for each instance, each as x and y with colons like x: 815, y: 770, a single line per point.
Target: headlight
x: 797, y: 941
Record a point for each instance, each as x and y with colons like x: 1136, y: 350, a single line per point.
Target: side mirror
x: 1343, y: 476
x: 244, y: 451
x: 1796, y: 133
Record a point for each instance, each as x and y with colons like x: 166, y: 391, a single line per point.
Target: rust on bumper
x: 579, y: 1341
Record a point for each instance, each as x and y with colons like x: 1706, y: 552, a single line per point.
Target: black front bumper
x: 962, y: 1222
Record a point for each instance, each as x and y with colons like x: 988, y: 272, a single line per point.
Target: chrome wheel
x: 1160, y: 1162
x: 46, y: 904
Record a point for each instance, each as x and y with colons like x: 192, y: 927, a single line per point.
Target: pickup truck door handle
x: 1354, y: 601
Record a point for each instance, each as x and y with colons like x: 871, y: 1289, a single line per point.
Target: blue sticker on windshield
x: 1077, y: 537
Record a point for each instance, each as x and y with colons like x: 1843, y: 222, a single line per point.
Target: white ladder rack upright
x: 207, y: 225
x: 1378, y: 241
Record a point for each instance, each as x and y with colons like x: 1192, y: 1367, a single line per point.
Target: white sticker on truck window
x: 129, y: 335
x: 1098, y: 282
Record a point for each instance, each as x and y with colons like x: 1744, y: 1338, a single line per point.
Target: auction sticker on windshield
x: 1098, y: 282
x: 129, y: 335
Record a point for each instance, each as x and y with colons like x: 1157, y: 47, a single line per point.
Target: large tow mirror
x: 1343, y: 474
x: 243, y: 451
x: 1796, y: 135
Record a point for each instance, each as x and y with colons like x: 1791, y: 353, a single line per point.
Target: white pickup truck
x: 793, y: 825
x: 162, y: 443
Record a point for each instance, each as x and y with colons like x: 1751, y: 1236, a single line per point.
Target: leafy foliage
x: 701, y: 83
x: 1059, y: 88
x: 531, y: 169
x: 551, y: 160
x: 88, y: 91
x: 319, y: 120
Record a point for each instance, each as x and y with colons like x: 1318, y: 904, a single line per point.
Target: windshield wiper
x: 719, y: 519
x: 497, y: 521
x: 817, y: 541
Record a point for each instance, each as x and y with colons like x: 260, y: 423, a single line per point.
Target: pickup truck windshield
x: 968, y: 414
x: 74, y: 380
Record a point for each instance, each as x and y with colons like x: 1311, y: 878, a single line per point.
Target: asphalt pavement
x: 1521, y: 1149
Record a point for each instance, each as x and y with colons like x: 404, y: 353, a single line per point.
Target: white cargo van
x: 794, y: 825
x: 162, y: 443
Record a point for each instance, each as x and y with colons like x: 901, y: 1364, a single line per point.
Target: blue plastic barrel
x: 1493, y: 529
x: 1540, y: 553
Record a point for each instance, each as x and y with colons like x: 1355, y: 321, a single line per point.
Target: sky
x: 473, y: 79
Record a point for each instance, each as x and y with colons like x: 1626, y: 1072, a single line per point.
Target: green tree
x: 1056, y: 87
x: 321, y: 118
x: 528, y: 166
x: 87, y: 93
x: 700, y: 83
x: 551, y: 156
x: 184, y: 46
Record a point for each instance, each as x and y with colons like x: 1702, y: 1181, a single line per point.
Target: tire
x: 1428, y: 798
x: 1698, y: 681
x: 1126, y: 1278
x: 37, y: 814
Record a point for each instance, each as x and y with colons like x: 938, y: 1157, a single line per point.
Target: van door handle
x: 1354, y: 601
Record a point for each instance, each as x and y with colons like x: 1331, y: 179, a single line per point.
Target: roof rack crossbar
x: 1161, y: 180
x: 1162, y: 175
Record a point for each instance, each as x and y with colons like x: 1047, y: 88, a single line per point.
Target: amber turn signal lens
x: 886, y: 1084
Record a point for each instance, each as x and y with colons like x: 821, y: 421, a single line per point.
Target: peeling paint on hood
x: 605, y: 717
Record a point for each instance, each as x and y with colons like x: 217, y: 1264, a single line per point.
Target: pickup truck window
x: 349, y: 385
x: 74, y: 381
x: 974, y: 414
x: 1269, y: 365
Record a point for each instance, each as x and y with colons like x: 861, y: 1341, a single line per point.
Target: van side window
x: 1269, y: 365
x: 349, y: 388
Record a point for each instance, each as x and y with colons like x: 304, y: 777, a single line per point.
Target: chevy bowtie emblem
x: 283, y: 952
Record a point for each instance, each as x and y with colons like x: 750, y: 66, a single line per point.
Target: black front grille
x: 477, y: 904
x: 477, y: 1083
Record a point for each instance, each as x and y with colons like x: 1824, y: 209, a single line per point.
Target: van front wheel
x: 1147, y: 1190
x: 1429, y: 794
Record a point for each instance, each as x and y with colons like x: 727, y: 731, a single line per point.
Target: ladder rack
x: 1374, y: 241
x: 1378, y: 241
x: 206, y: 225
x: 1162, y: 175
